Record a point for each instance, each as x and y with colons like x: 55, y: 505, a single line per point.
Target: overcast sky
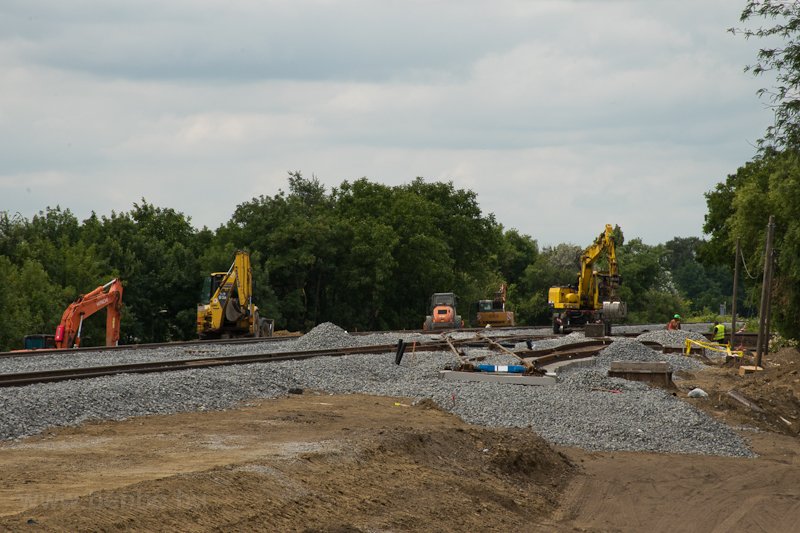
x: 561, y: 115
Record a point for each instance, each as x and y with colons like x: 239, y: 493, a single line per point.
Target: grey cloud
x: 256, y: 41
x: 518, y: 100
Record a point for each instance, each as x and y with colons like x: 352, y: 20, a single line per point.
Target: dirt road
x: 315, y: 462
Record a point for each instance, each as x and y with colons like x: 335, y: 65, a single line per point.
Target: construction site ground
x: 316, y: 462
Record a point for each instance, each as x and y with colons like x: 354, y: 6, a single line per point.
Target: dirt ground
x: 319, y: 463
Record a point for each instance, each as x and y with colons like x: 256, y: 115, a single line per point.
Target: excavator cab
x: 210, y: 286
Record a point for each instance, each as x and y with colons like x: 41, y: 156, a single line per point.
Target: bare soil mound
x: 310, y: 463
x: 771, y: 396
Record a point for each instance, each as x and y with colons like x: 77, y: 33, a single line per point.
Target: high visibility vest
x: 719, y: 332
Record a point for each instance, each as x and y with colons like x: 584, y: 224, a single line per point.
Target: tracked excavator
x: 226, y: 309
x: 493, y: 312
x: 593, y: 299
x: 68, y: 331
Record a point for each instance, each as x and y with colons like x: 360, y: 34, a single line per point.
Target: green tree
x: 703, y: 287
x: 740, y: 208
x: 647, y: 286
x: 366, y: 255
x: 298, y: 242
x: 29, y: 300
x: 554, y: 266
x: 154, y: 251
x: 780, y: 59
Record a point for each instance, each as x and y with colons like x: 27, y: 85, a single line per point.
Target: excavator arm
x: 588, y: 292
x: 236, y: 282
x: 230, y: 306
x: 109, y: 297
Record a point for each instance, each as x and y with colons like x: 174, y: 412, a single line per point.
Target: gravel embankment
x: 585, y: 409
x: 673, y: 338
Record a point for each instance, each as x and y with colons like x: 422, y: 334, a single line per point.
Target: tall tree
x: 740, y: 208
x: 154, y: 251
x: 703, y: 286
x: 30, y: 302
x: 647, y: 286
x: 781, y: 59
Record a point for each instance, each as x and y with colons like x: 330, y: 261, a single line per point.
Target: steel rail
x: 49, y: 376
x: 241, y: 340
x: 565, y: 352
x: 146, y: 346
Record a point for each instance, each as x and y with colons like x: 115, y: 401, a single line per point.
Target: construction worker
x: 675, y: 323
x: 719, y: 332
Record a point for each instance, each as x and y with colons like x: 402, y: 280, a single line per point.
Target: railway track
x: 49, y: 376
x: 241, y: 340
x: 538, y: 357
x: 146, y: 346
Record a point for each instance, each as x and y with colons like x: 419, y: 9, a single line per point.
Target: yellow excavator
x: 594, y: 298
x: 493, y: 312
x: 226, y: 309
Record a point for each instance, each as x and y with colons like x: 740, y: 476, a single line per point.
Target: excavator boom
x: 109, y: 297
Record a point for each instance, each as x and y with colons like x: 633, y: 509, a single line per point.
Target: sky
x: 560, y: 115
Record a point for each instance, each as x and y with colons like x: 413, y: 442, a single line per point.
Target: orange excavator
x: 109, y: 297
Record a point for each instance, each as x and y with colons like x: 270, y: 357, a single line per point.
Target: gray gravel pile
x: 330, y: 336
x: 325, y: 335
x: 697, y: 327
x: 672, y: 338
x: 586, y: 409
x: 632, y: 350
x: 591, y: 379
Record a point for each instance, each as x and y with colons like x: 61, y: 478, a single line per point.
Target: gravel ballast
x: 585, y: 408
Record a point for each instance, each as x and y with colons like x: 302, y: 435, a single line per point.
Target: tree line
x: 363, y: 255
x: 368, y: 256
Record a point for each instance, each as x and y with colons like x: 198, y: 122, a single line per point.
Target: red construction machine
x: 109, y: 297
x: 443, y: 313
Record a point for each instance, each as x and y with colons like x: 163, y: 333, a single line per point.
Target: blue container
x: 507, y: 369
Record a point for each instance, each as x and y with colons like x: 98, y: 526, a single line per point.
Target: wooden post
x: 763, y: 335
x: 768, y: 320
x: 735, y: 287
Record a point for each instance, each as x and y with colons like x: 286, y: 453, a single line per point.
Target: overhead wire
x: 745, y: 266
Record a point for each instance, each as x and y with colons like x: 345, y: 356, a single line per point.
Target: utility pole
x: 735, y: 287
x: 768, y: 320
x: 763, y: 314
